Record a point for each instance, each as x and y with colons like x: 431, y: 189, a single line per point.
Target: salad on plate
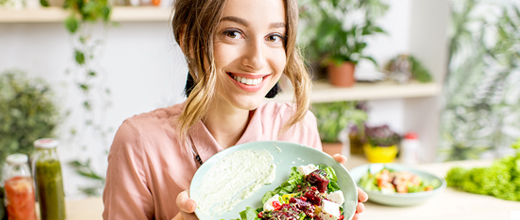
x: 311, y: 192
x: 389, y: 181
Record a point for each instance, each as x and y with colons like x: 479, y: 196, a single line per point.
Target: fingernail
x: 191, y: 205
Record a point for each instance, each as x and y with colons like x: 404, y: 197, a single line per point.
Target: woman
x: 236, y: 52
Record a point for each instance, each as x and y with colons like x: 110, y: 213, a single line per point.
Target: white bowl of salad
x: 396, y: 184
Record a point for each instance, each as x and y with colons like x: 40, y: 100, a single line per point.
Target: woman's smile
x: 248, y: 82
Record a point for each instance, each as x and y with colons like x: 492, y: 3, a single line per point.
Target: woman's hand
x: 187, y: 207
x: 362, y: 196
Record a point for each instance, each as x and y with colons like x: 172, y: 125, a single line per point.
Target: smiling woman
x: 236, y: 52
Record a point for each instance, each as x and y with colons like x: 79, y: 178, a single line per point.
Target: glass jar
x: 19, y: 189
x: 401, y: 69
x: 49, y: 181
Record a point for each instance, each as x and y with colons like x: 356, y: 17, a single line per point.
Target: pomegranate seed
x: 313, y: 188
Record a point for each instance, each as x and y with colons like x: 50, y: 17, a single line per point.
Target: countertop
x: 449, y: 204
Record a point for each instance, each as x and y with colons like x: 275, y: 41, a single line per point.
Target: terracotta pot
x: 342, y: 75
x: 332, y: 148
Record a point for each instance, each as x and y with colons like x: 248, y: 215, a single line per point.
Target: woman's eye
x: 275, y: 38
x: 233, y: 34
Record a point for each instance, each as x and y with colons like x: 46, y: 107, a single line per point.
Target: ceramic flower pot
x: 342, y: 75
x: 380, y: 154
x: 332, y: 148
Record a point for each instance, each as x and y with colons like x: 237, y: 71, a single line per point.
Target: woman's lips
x: 248, y: 82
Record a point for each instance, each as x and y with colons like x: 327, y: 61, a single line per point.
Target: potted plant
x: 337, y: 34
x: 27, y: 113
x: 381, y: 144
x: 332, y: 119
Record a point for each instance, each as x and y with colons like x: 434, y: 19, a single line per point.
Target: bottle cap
x: 46, y: 143
x: 17, y: 159
x: 410, y: 135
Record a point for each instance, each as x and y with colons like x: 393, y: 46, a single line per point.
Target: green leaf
x: 106, y: 13
x: 80, y: 57
x: 83, y: 87
x: 72, y: 24
x: 87, y: 105
x: 44, y: 3
x: 249, y: 214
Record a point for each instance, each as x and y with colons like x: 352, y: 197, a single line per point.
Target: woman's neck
x: 226, y: 123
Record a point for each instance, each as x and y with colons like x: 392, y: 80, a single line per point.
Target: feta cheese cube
x: 329, y: 211
x: 268, y: 205
x: 305, y: 170
x: 336, y: 197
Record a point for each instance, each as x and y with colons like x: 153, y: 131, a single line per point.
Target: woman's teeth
x: 251, y: 82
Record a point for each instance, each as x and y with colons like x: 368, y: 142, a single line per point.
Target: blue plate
x: 286, y: 155
x: 397, y: 199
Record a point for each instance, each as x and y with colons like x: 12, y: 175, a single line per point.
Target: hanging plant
x: 88, y: 77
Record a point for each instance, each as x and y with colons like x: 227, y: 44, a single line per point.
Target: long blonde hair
x: 194, y: 23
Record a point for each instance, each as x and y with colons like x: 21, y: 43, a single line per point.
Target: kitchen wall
x: 145, y: 70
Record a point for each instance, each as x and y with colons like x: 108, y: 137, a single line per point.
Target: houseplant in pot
x: 332, y: 119
x: 381, y: 144
x: 337, y: 33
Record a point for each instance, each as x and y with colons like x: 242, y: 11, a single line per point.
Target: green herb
x: 501, y: 179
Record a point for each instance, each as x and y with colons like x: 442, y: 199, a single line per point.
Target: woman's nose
x: 254, y: 55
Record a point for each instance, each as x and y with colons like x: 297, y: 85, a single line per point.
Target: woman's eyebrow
x: 277, y: 25
x: 236, y: 20
x: 246, y: 23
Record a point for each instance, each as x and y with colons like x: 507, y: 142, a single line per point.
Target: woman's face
x: 249, y: 51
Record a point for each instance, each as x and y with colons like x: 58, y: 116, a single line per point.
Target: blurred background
x: 442, y: 72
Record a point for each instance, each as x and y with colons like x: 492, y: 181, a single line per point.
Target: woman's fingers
x: 360, y: 208
x: 362, y: 195
x: 340, y: 158
x: 184, y: 202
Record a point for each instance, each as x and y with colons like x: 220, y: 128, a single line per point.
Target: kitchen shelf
x: 325, y: 92
x: 56, y: 14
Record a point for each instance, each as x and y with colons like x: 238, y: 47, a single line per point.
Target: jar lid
x: 17, y: 159
x: 46, y: 143
x: 411, y: 135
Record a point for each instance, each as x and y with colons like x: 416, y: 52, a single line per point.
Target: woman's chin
x: 248, y: 102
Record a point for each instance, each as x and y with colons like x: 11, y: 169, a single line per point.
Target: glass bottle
x: 19, y: 189
x: 49, y: 181
x: 410, y: 149
x: 401, y: 69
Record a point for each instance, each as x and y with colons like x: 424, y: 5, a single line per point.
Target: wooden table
x: 450, y: 204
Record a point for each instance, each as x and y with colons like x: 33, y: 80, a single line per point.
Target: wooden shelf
x: 324, y: 92
x: 56, y: 14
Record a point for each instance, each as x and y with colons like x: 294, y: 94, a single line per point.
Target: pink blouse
x: 147, y: 168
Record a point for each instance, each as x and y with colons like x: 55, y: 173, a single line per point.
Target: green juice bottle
x: 49, y: 180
